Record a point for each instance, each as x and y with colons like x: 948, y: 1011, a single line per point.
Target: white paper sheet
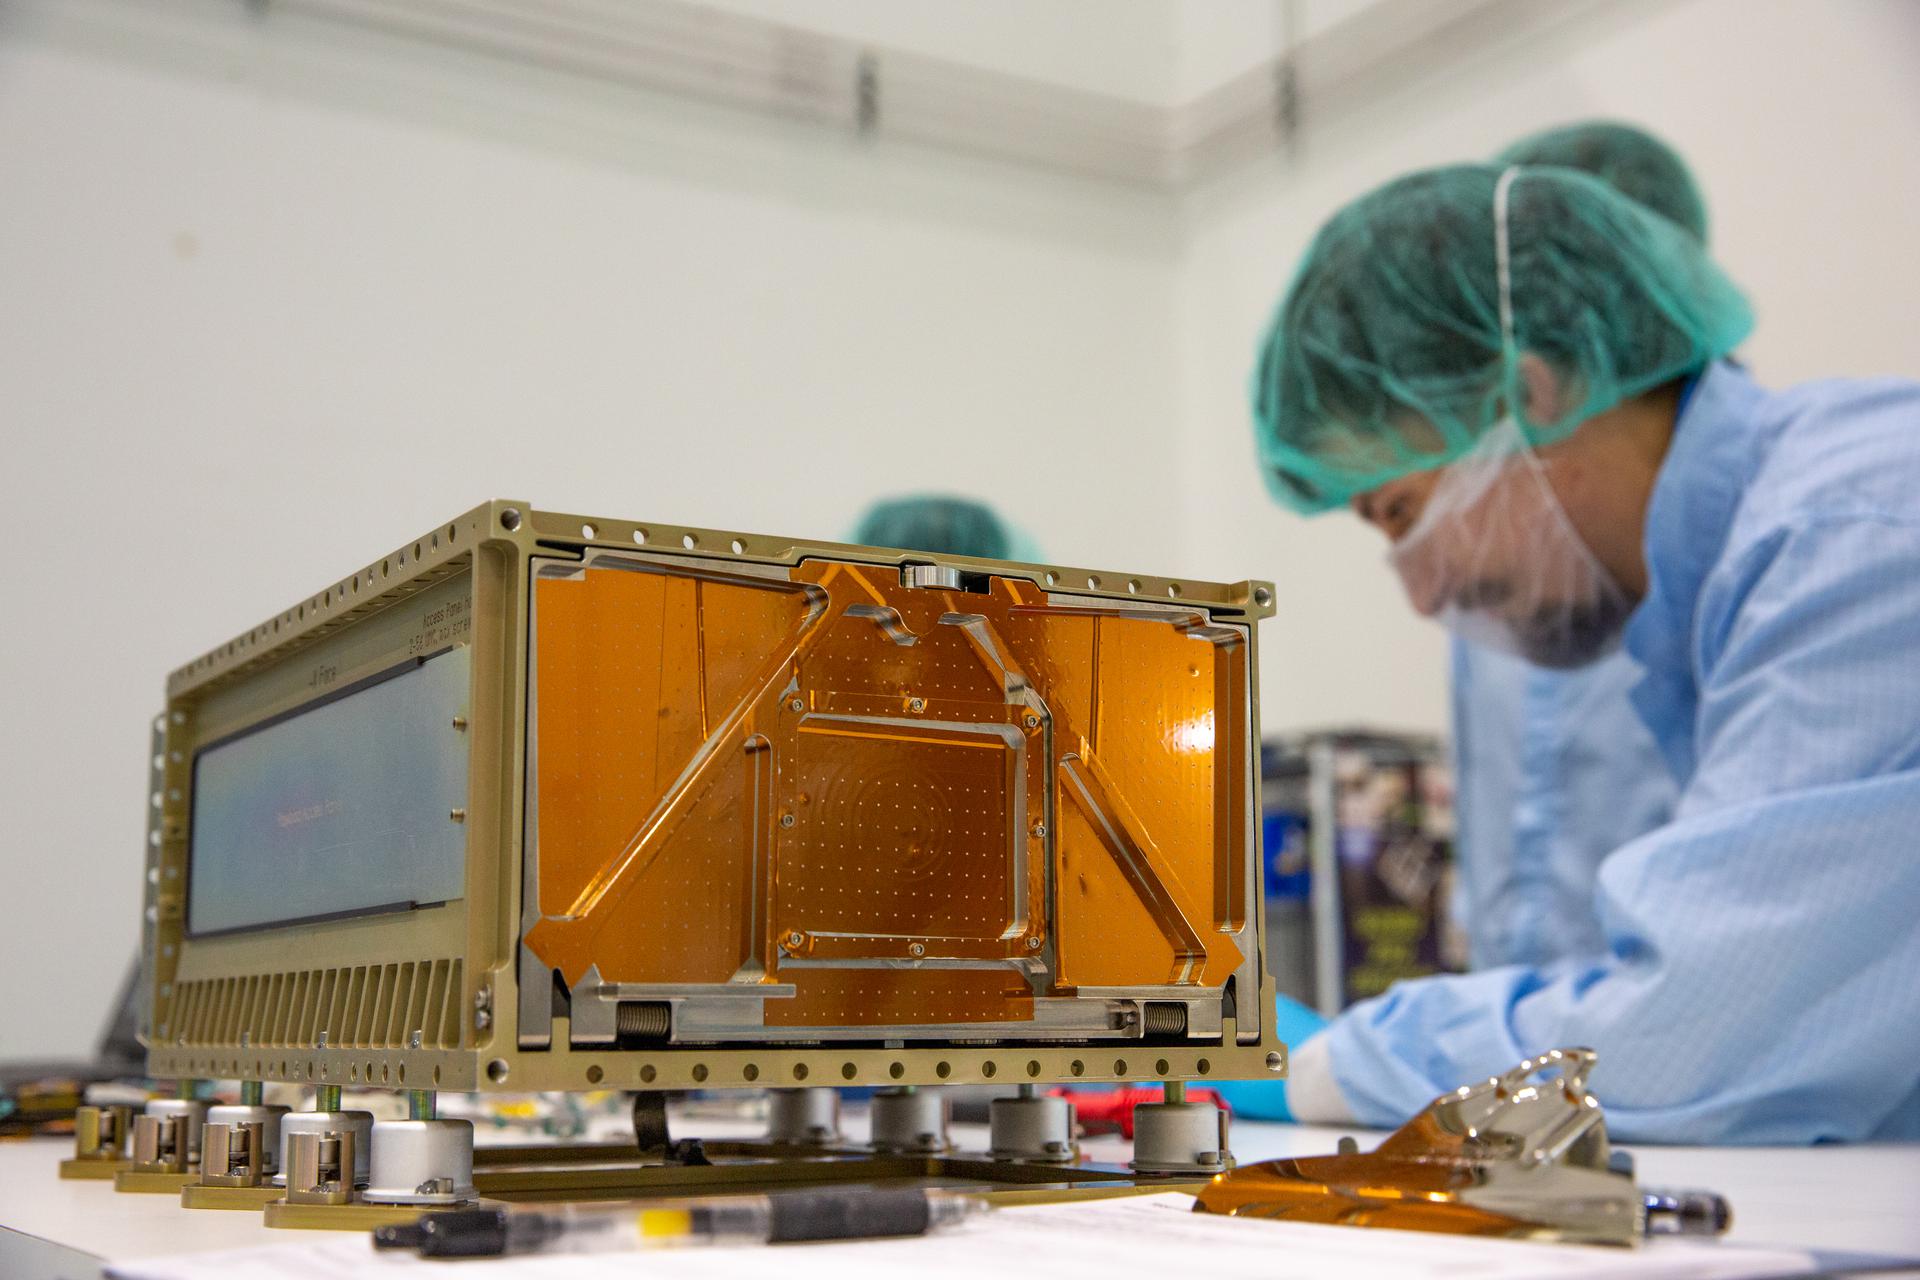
x: 1090, y: 1240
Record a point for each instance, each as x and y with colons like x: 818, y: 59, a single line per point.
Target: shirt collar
x: 1695, y: 497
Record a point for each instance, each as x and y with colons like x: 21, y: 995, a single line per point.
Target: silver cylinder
x: 268, y: 1118
x: 1031, y: 1127
x: 421, y: 1162
x: 909, y: 1120
x: 359, y: 1123
x: 803, y: 1117
x: 1179, y: 1137
x: 191, y: 1113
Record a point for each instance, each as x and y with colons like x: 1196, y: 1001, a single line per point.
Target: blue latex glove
x: 1295, y: 1024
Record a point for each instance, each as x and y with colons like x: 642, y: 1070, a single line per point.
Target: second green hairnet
x: 1631, y: 161
x: 1386, y: 355
x: 938, y: 524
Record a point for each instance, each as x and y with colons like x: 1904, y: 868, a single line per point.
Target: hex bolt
x: 797, y: 705
x: 1033, y: 944
x: 1039, y: 830
x: 795, y: 939
x: 916, y: 949
x: 916, y: 704
x: 1033, y: 722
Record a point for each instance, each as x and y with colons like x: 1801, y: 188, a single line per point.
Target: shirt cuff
x: 1313, y: 1095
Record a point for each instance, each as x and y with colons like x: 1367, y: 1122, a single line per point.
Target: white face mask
x: 1496, y: 560
x: 1493, y: 555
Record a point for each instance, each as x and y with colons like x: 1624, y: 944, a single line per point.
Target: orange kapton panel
x: 796, y: 780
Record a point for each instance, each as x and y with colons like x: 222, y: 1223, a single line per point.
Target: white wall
x: 1092, y: 45
x: 1801, y: 121
x: 259, y: 322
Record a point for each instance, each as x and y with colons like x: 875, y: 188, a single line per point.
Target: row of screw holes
x: 687, y: 540
x: 327, y: 598
x: 691, y: 543
x: 1134, y: 586
x: 497, y: 1070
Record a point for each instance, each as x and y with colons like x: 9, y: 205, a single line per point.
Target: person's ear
x: 1542, y: 392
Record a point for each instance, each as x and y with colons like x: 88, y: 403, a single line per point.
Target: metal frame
x: 470, y: 581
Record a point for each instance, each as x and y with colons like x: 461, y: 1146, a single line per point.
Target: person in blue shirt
x: 1553, y: 770
x: 1519, y: 376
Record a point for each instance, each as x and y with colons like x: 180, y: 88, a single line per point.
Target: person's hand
x: 1295, y: 1024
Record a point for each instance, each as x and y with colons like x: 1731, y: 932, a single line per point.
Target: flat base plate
x: 198, y: 1195
x: 102, y: 1170
x: 343, y: 1217
x: 602, y: 1173
x: 167, y: 1184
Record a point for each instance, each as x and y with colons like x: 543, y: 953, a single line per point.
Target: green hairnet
x: 1386, y: 356
x: 936, y: 523
x: 1631, y: 161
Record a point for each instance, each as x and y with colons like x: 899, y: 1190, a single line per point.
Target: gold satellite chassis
x: 496, y: 542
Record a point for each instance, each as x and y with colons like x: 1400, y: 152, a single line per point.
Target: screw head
x: 1033, y: 722
x: 916, y: 704
x: 797, y: 705
x: 787, y: 820
x: 1039, y: 830
x: 1033, y: 944
x: 916, y: 949
x: 795, y: 938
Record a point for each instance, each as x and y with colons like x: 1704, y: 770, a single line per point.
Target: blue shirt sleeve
x: 1759, y: 982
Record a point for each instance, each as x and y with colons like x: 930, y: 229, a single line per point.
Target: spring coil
x: 1166, y: 1019
x: 643, y: 1020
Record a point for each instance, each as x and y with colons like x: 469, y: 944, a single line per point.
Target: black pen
x: 844, y: 1213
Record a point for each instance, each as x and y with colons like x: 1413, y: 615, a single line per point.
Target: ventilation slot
x: 365, y: 1007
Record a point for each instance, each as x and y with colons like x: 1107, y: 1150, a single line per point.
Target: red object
x: 1110, y: 1110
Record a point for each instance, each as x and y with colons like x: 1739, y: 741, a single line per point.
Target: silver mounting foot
x: 909, y: 1120
x: 1031, y: 1127
x: 803, y: 1117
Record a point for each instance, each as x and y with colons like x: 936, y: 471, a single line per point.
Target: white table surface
x: 1852, y: 1199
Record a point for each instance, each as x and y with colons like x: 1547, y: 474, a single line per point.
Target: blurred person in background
x: 1553, y: 770
x: 944, y: 524
x: 1520, y: 377
x: 940, y: 524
